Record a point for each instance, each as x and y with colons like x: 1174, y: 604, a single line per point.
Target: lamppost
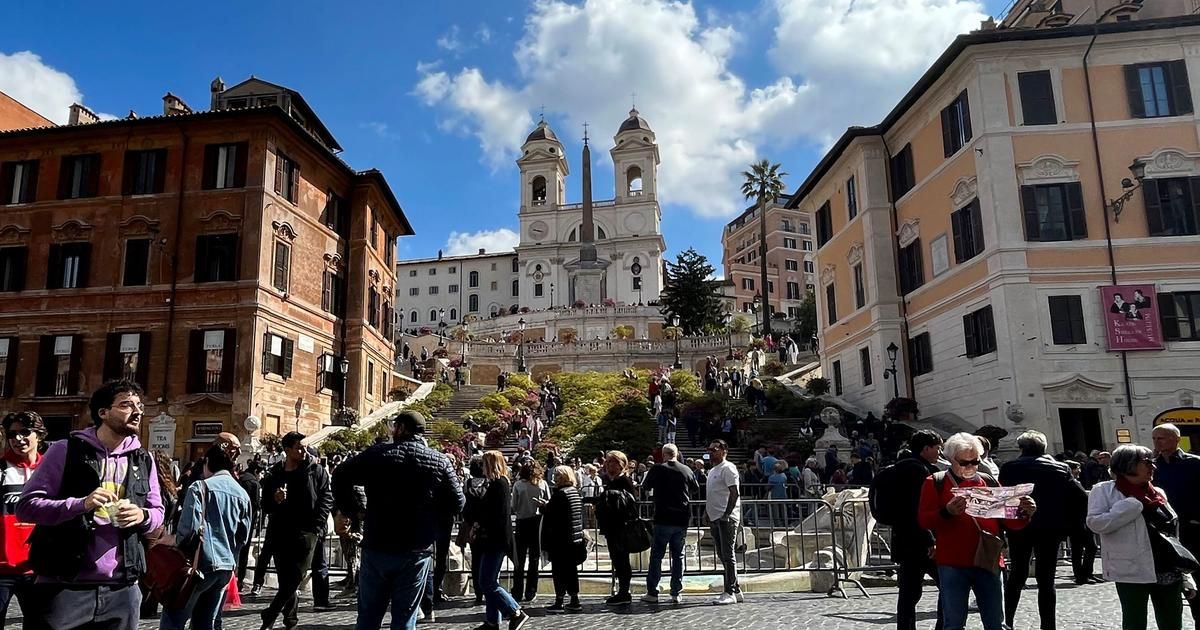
x: 551, y: 296
x: 636, y: 270
x: 463, y: 347
x: 1138, y: 169
x: 729, y: 334
x: 342, y: 414
x: 892, y: 349
x: 521, y: 347
x: 441, y: 326
x: 678, y: 334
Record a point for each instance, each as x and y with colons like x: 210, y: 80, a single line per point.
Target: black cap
x: 292, y: 438
x: 412, y: 420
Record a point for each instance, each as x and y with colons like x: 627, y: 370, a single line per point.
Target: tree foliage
x: 692, y: 294
x: 763, y: 184
x: 806, y: 325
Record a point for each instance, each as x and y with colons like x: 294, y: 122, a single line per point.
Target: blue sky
x: 440, y: 97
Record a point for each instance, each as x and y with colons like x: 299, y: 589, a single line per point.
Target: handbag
x: 637, y: 535
x: 170, y: 575
x: 1167, y: 550
x: 989, y: 549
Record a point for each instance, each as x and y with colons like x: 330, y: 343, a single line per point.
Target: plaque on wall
x: 941, y: 255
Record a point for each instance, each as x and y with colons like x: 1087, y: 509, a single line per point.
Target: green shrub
x: 485, y: 418
x: 521, y: 381
x: 773, y: 368
x: 686, y: 385
x: 447, y: 430
x: 495, y: 401
x: 626, y: 427
x: 817, y: 386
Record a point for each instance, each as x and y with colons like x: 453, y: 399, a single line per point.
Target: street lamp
x: 521, y: 347
x: 1138, y: 169
x: 465, y: 336
x: 892, y: 350
x: 729, y: 334
x: 441, y: 326
x: 678, y: 333
x: 344, y: 364
x: 551, y: 296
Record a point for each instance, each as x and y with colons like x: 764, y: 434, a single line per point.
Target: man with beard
x: 94, y: 497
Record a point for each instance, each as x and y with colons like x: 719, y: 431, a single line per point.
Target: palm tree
x: 763, y: 183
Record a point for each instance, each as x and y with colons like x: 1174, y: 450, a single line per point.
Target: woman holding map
x: 969, y: 542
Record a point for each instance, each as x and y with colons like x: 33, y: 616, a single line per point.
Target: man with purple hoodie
x: 94, y: 497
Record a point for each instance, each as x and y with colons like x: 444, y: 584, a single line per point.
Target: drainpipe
x: 1112, y: 263
x: 895, y: 228
x: 166, y: 378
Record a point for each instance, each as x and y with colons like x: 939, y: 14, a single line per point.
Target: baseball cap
x: 413, y: 420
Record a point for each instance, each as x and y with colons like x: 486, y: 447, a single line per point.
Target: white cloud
x: 43, y: 89
x: 483, y: 34
x: 494, y: 241
x: 583, y: 62
x: 450, y: 41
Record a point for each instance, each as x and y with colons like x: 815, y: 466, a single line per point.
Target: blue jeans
x: 203, y: 608
x: 391, y: 577
x: 499, y: 602
x: 666, y: 535
x: 956, y: 585
x: 22, y: 587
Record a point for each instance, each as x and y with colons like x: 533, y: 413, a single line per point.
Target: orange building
x: 986, y: 227
x: 789, y: 255
x: 15, y: 115
x: 227, y: 260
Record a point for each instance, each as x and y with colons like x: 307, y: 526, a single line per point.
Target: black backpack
x: 882, y: 497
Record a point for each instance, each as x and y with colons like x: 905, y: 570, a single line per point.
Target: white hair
x: 670, y: 452
x: 961, y: 442
x: 1170, y: 428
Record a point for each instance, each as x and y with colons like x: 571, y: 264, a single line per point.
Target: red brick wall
x: 14, y: 115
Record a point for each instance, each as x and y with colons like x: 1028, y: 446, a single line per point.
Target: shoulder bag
x: 170, y: 575
x: 990, y: 547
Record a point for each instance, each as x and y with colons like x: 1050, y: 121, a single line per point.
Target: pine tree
x: 691, y: 294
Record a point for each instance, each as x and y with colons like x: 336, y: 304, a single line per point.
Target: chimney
x: 482, y: 251
x: 174, y: 106
x: 215, y: 88
x: 81, y: 115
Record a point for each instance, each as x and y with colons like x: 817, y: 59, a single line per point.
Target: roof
x: 435, y: 259
x: 634, y: 122
x: 781, y: 200
x: 28, y: 110
x: 309, y: 114
x: 951, y: 54
x: 542, y: 132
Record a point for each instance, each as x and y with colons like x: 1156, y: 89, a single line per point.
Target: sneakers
x: 620, y: 599
x: 738, y: 594
x: 574, y: 607
x: 556, y: 608
x: 677, y: 599
x: 323, y: 607
x: 518, y: 620
x: 256, y: 591
x: 725, y: 599
x: 650, y: 598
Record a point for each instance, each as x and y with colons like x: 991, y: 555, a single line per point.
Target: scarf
x: 1150, y: 497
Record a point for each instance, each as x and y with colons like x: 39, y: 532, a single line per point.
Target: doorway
x: 1081, y: 430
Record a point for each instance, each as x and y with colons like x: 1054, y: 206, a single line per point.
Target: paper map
x: 989, y: 502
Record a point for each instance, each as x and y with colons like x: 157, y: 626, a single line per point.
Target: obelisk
x: 587, y: 272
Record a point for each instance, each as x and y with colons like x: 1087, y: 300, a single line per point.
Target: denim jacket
x: 226, y: 515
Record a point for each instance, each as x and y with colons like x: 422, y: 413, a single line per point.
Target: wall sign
x: 207, y: 429
x: 1183, y: 416
x: 1131, y: 317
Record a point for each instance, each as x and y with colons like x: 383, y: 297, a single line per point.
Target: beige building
x: 790, y: 258
x: 983, y: 230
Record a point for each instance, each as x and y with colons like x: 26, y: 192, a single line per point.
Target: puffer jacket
x: 562, y: 523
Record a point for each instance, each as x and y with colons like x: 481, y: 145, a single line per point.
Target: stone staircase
x: 739, y: 453
x: 465, y: 400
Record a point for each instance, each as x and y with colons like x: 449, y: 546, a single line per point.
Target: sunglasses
x: 18, y: 433
x: 973, y: 462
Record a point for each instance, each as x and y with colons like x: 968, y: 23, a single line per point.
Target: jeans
x: 476, y: 561
x: 528, y: 550
x: 203, y: 608
x: 320, y: 573
x: 666, y: 535
x: 1021, y: 545
x: 19, y: 585
x: 566, y: 576
x: 619, y: 559
x: 499, y: 602
x: 910, y: 578
x: 724, y: 533
x: 62, y: 607
x: 956, y: 585
x: 293, y: 557
x: 1083, y: 553
x: 1167, y: 600
x: 391, y: 577
x: 437, y: 575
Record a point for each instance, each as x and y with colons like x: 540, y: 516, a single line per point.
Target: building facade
x: 790, y: 254
x: 15, y: 115
x: 984, y: 229
x: 446, y: 289
x: 226, y: 260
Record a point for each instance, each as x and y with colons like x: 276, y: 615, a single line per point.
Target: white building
x: 448, y: 288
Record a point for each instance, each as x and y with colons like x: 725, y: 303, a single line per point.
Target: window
x: 967, y: 226
x: 145, y: 171
x: 225, y: 165
x: 1172, y: 206
x: 789, y: 243
x: 920, y: 355
x: 412, y: 273
x: 8, y: 366
x: 804, y: 229
x: 12, y: 268
x: 336, y: 214
x: 903, y: 172
x: 538, y: 190
x: 216, y: 258
x: 389, y: 248
x: 473, y: 303
x: 770, y: 286
x: 287, y: 178
x: 136, y: 272
x: 791, y: 265
x: 433, y: 314
x: 1037, y: 98
x: 281, y: 268
x: 453, y: 269
x: 386, y: 318
x: 824, y: 224
x: 1180, y: 315
x: 433, y: 290
x: 415, y: 291
x: 375, y: 231
x: 806, y: 246
x: 1054, y: 212
x: 537, y: 290
x: 837, y: 378
x: 68, y: 265
x: 956, y: 125
x: 370, y: 378
x: 453, y: 314
x: 793, y: 291
x: 327, y: 373
x: 830, y: 304
x: 860, y: 287
x: 18, y: 182
x: 516, y: 288
x: 58, y: 365
x: 851, y: 198
x: 809, y: 266
x: 493, y: 266
x: 277, y: 355
x: 637, y: 283
x: 1066, y: 320
x: 979, y: 332
x: 810, y: 288
x: 412, y: 317
x: 912, y: 271
x: 79, y: 177
x: 1158, y: 89
x: 333, y: 293
x: 452, y: 288
x: 473, y: 279
x: 864, y: 361
x: 212, y: 356
x: 747, y: 284
x: 515, y: 266
x: 494, y: 285
x: 793, y: 312
x: 373, y: 307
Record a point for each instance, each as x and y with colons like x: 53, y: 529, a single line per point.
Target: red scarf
x: 1150, y: 497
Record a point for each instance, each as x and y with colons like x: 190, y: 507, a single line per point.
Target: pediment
x: 1076, y: 380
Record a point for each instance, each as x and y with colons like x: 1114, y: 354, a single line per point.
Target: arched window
x: 412, y: 317
x: 473, y: 303
x: 571, y: 238
x: 634, y: 177
x: 600, y: 235
x: 516, y: 288
x: 453, y: 314
x: 538, y: 188
x: 433, y: 314
x: 473, y: 279
x: 516, y: 266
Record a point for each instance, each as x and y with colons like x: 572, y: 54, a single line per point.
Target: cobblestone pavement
x: 1084, y: 607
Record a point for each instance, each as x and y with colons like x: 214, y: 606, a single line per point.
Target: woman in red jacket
x: 24, y: 433
x: 960, y: 554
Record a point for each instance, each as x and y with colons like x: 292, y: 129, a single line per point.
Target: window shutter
x: 45, y: 366
x: 200, y: 273
x: 326, y: 301
x: 966, y: 116
x: 195, y: 362
x: 143, y: 368
x: 76, y: 360
x: 1078, y: 331
x: 10, y: 372
x: 160, y: 170
x: 1168, y: 316
x: 229, y: 360
x: 19, y: 261
x: 65, y: 170
x: 976, y: 213
x: 969, y: 334
x: 987, y: 330
x: 54, y: 267
x: 210, y: 166
x: 1181, y: 92
x: 280, y: 279
x: 279, y: 160
x: 241, y: 157
x: 294, y: 184
x: 1075, y: 213
x: 129, y: 176
x: 1033, y: 222
x: 1150, y: 196
x: 112, y: 357
x: 85, y: 262
x: 1133, y: 86
x: 288, y: 353
x: 947, y: 138
x: 957, y: 226
x: 7, y: 172
x: 31, y: 181
x: 1060, y: 319
x: 91, y: 177
x: 266, y: 353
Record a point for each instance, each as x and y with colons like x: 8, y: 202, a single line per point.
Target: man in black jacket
x: 1060, y: 499
x: 1178, y: 474
x: 410, y: 489
x: 895, y: 496
x: 673, y: 486
x: 248, y: 480
x: 296, y: 493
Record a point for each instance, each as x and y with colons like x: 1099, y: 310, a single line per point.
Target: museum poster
x: 1131, y: 317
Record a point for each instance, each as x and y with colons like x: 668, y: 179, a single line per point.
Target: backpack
x: 939, y: 480
x: 883, y: 498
